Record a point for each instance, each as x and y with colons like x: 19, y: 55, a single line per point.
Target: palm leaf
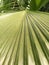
x: 24, y: 38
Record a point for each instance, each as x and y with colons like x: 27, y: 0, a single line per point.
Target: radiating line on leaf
x: 12, y: 51
x: 7, y: 52
x: 6, y: 38
x: 18, y: 49
x: 33, y: 46
x: 44, y: 19
x: 7, y: 49
x: 25, y: 53
x: 42, y: 43
x: 36, y: 21
x: 10, y: 47
x: 41, y: 29
x: 30, y: 53
x: 5, y: 45
x: 13, y: 48
x: 41, y: 22
x: 40, y: 52
x: 43, y: 25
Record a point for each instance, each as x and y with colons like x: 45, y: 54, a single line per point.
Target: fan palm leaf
x: 24, y: 38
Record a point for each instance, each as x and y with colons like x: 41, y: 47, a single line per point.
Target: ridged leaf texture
x: 24, y: 38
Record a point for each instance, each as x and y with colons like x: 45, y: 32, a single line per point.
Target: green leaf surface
x: 24, y: 38
x: 37, y: 4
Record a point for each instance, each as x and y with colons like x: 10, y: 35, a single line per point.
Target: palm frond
x: 24, y: 38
